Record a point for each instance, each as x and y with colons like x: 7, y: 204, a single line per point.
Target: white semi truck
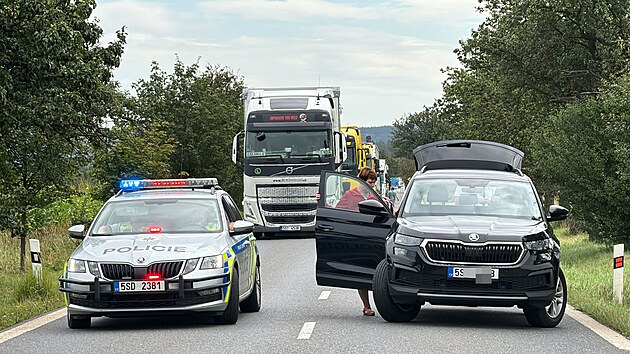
x: 290, y: 136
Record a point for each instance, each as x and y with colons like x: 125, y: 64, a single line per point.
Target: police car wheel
x: 77, y: 322
x: 253, y: 301
x: 230, y: 315
x: 387, y: 308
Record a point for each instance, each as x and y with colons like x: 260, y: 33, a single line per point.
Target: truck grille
x: 288, y: 191
x: 126, y: 271
x: 297, y: 219
x: 446, y: 252
x: 289, y: 207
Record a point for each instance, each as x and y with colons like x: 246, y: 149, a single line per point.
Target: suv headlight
x: 212, y: 262
x: 76, y: 265
x: 543, y: 249
x: 191, y: 264
x: 404, y: 240
x: 545, y: 244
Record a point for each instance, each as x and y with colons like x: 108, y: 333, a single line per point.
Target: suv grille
x: 125, y: 271
x: 446, y: 252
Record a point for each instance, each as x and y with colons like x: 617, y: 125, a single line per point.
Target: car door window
x: 346, y: 192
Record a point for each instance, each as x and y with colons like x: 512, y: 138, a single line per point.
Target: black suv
x: 470, y: 230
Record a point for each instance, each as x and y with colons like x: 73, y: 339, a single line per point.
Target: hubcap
x: 554, y: 308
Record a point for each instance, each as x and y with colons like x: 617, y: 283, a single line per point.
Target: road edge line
x: 31, y: 324
x: 606, y: 333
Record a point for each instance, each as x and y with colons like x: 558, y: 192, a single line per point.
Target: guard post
x: 36, y: 259
x: 618, y: 273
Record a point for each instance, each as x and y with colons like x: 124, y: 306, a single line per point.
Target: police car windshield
x: 471, y: 197
x: 172, y: 216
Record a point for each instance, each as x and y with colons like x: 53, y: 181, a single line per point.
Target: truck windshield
x: 288, y: 144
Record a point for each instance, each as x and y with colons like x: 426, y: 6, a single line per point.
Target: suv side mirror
x: 77, y: 231
x: 557, y: 213
x: 373, y: 207
x: 242, y: 227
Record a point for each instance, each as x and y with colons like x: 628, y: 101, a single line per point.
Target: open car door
x: 350, y: 231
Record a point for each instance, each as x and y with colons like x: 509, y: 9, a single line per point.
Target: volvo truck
x: 290, y: 135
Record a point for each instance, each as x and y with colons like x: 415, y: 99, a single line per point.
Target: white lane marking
x: 608, y: 334
x: 324, y: 296
x: 307, y: 330
x: 31, y: 325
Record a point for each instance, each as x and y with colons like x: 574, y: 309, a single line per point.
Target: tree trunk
x: 22, y: 251
x: 22, y: 234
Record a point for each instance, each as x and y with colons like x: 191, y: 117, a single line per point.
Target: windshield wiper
x: 319, y: 157
x: 274, y: 156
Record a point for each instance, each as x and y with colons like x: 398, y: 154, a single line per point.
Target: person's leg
x: 365, y: 298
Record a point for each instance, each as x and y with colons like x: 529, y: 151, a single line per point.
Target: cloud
x: 386, y: 61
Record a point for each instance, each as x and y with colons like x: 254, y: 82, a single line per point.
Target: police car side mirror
x: 241, y: 227
x: 77, y: 231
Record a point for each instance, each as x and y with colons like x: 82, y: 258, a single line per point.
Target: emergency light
x: 134, y: 184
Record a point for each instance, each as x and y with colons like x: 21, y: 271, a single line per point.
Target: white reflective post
x: 618, y: 273
x: 36, y: 259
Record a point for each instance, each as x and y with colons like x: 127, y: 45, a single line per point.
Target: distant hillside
x: 382, y: 133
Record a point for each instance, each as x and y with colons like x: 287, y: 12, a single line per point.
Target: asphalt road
x: 291, y: 299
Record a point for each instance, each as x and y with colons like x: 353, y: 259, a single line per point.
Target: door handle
x: 325, y: 227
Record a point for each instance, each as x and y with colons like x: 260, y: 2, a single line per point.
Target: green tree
x: 202, y: 110
x: 55, y: 90
x: 585, y: 151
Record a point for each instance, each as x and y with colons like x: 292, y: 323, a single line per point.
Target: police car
x: 167, y: 246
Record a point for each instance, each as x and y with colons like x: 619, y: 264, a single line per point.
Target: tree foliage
x: 201, y: 110
x: 585, y: 150
x: 55, y: 90
x: 535, y: 69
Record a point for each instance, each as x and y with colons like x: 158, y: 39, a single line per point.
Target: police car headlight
x: 76, y: 265
x: 212, y: 262
x: 191, y: 264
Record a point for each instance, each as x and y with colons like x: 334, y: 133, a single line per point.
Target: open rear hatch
x: 467, y: 154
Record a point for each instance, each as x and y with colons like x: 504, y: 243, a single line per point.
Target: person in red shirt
x: 350, y: 201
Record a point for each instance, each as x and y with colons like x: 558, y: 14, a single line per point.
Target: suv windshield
x: 288, y: 143
x: 471, y: 197
x: 158, y: 216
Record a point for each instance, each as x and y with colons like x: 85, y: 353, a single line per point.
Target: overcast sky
x: 385, y: 55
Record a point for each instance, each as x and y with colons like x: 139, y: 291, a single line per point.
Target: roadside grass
x: 588, y: 269
x: 22, y: 297
x: 587, y: 266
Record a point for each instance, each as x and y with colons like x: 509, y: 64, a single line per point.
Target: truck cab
x: 290, y: 135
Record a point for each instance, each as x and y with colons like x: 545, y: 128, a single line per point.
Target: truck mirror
x: 235, y: 150
x: 342, y: 149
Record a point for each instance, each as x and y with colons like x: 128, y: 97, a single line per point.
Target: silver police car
x: 168, y: 246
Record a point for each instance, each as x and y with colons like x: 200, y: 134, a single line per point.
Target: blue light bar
x: 134, y: 184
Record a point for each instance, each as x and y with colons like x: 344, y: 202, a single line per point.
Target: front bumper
x: 98, y: 298
x: 416, y: 279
